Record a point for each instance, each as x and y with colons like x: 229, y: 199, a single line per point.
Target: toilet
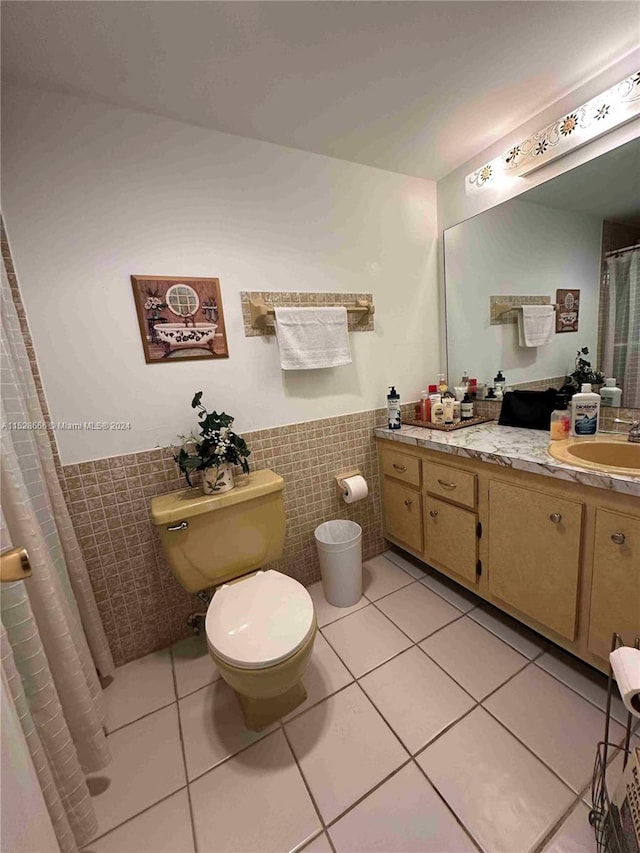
x: 260, y: 625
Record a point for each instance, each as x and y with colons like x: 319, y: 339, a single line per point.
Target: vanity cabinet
x: 534, y: 554
x: 615, y: 584
x: 561, y: 557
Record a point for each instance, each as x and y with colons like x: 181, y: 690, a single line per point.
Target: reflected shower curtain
x: 51, y: 637
x: 621, y: 345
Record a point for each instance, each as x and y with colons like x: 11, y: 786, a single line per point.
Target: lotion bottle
x: 585, y: 411
x: 437, y: 411
x: 393, y: 408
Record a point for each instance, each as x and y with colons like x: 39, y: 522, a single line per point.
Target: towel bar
x: 261, y: 312
x: 501, y: 308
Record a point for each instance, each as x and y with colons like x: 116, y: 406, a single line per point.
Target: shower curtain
x: 621, y: 344
x: 51, y: 638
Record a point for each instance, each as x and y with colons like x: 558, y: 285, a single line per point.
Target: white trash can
x: 340, y: 550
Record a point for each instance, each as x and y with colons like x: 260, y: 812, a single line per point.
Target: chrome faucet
x: 634, y: 432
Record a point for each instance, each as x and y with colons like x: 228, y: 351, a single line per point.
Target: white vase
x: 216, y: 480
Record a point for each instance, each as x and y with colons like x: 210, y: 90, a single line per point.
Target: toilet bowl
x: 260, y: 633
x: 260, y: 625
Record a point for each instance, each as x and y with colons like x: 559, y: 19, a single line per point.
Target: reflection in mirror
x: 579, y: 231
x: 182, y: 300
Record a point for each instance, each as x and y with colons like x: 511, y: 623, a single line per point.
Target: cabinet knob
x: 618, y: 538
x: 408, y: 502
x: 433, y: 513
x: 399, y: 467
x: 555, y: 517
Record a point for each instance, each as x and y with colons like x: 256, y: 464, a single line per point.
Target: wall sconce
x: 600, y: 115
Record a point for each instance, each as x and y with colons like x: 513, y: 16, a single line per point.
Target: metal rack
x: 602, y: 817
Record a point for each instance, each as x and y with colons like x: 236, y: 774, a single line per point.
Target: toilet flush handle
x: 181, y: 526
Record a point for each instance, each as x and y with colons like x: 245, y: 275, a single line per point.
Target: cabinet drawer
x: 615, y: 588
x: 450, y: 483
x: 403, y: 514
x: 451, y: 537
x: 401, y: 466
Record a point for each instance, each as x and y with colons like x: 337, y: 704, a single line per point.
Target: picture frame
x: 180, y: 318
x: 568, y: 311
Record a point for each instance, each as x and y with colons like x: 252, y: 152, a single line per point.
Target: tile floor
x: 433, y: 723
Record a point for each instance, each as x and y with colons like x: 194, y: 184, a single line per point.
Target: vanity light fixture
x: 610, y: 109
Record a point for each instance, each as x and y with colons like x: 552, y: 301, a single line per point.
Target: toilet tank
x: 209, y: 539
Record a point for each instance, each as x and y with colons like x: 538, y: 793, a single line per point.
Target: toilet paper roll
x: 625, y: 663
x: 355, y: 489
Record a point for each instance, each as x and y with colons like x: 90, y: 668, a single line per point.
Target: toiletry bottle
x: 465, y: 378
x: 499, y: 384
x: 442, y: 383
x: 585, y: 411
x: 393, y: 408
x: 466, y: 408
x: 460, y: 391
x: 425, y: 406
x: 447, y: 403
x: 491, y: 394
x: 560, y: 421
x: 473, y: 388
x: 437, y: 411
x: 457, y: 416
x: 609, y: 394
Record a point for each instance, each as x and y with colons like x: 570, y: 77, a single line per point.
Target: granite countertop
x: 512, y: 447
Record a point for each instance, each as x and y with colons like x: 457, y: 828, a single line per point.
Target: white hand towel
x: 536, y: 325
x: 309, y: 338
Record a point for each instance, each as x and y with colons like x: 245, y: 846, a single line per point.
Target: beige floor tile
x: 403, y: 814
x: 318, y: 845
x: 380, y: 577
x: 139, y: 687
x: 417, y: 611
x: 325, y: 612
x: 559, y: 726
x: 257, y: 801
x: 193, y: 665
x: 365, y: 639
x: 576, y: 835
x: 415, y: 569
x: 344, y: 749
x: 146, y: 765
x: 325, y: 675
x: 213, y: 727
x: 451, y: 591
x: 584, y: 679
x: 514, y: 633
x: 164, y: 828
x: 473, y: 657
x: 412, y: 681
x: 500, y: 792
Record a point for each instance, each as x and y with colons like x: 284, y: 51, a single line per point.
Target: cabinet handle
x: 408, y: 502
x: 181, y: 525
x: 433, y: 513
x: 447, y: 485
x: 618, y: 538
x: 555, y: 517
x: 399, y: 467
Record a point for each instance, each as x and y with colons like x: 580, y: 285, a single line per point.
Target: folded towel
x: 312, y: 337
x: 536, y: 325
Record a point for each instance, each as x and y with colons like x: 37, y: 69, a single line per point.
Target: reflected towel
x: 536, y: 325
x: 309, y: 338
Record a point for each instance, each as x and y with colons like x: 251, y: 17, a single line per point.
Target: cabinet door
x: 450, y: 538
x: 403, y: 514
x: 534, y: 554
x: 615, y: 586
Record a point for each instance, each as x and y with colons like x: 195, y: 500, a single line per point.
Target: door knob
x: 433, y: 513
x: 618, y: 538
x: 555, y: 517
x: 14, y: 565
x: 408, y: 502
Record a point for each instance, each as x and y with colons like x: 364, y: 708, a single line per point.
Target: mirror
x: 565, y: 234
x: 182, y: 300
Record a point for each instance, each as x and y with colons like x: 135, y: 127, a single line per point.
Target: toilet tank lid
x: 177, y: 506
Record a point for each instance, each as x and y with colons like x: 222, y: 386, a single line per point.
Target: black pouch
x: 528, y: 409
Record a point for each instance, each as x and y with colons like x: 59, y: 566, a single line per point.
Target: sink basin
x: 614, y: 454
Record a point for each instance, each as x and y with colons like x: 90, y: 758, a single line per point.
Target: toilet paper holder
x: 340, y: 489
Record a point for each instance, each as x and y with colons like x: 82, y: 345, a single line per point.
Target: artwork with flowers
x: 179, y: 318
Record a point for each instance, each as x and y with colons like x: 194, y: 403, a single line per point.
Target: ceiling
x: 607, y: 186
x: 412, y: 87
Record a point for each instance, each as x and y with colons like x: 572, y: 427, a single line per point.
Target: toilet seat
x: 260, y: 621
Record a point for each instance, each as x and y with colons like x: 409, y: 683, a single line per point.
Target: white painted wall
x: 518, y: 248
x: 94, y: 193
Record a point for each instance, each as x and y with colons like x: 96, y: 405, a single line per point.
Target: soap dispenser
x: 393, y: 408
x: 585, y: 411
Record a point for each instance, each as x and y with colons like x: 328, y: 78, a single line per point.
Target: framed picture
x: 568, y: 302
x: 179, y: 318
